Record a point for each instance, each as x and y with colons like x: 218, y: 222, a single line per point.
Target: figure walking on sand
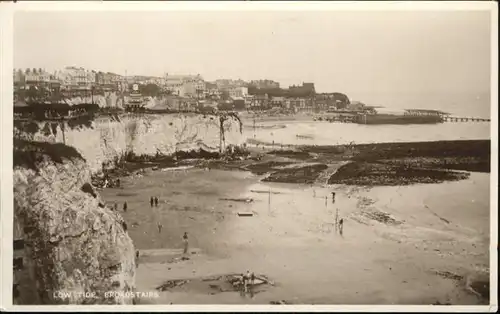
x: 333, y: 197
x: 156, y: 201
x: 341, y: 226
x: 125, y: 206
x: 246, y: 280
x: 186, y: 242
x: 152, y: 201
x: 137, y: 258
x: 160, y: 226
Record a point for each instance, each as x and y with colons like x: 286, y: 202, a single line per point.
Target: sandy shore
x: 415, y: 244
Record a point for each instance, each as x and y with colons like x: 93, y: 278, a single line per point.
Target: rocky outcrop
x: 143, y: 134
x: 74, y: 248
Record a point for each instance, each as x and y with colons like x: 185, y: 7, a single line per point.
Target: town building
x: 229, y: 83
x: 279, y: 102
x: 306, y: 90
x: 37, y: 77
x: 185, y: 85
x: 264, y: 84
x: 109, y: 81
x: 297, y: 104
x: 212, y: 91
x: 238, y: 92
x: 18, y: 76
x: 260, y: 102
x: 76, y: 78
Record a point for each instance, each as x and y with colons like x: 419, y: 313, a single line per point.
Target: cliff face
x: 71, y: 243
x: 66, y: 242
x: 143, y: 134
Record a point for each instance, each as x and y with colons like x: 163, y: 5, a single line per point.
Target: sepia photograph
x: 250, y: 154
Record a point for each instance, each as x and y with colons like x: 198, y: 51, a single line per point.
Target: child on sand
x: 159, y: 227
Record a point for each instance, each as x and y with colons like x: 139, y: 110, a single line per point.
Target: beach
x: 414, y: 243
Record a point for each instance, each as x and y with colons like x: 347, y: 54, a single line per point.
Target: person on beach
x: 246, y: 280
x: 125, y: 207
x: 341, y: 226
x: 186, y: 243
x: 333, y: 197
x: 152, y: 201
x: 116, y: 207
x: 160, y: 226
x: 137, y: 258
x: 156, y: 201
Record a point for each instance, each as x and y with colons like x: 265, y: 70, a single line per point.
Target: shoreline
x: 360, y: 165
x: 205, y: 200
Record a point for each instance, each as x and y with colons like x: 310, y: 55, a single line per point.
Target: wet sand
x: 437, y: 237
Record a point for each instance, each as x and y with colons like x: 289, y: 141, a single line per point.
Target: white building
x: 76, y: 77
x: 238, y: 92
x: 37, y: 77
x: 185, y: 85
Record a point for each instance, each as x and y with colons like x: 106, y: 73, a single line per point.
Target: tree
x: 40, y: 70
x: 152, y: 90
x: 34, y: 70
x: 341, y: 100
x: 27, y: 70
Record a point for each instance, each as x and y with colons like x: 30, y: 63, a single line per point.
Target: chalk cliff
x: 143, y: 134
x: 71, y: 243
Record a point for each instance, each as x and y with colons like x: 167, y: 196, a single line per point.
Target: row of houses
x: 265, y: 94
x: 195, y: 86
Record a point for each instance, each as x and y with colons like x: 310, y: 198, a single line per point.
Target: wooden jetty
x: 410, y: 116
x: 464, y: 119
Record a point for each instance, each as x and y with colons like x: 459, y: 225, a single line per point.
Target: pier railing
x: 464, y: 119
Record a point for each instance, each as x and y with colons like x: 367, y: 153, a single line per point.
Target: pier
x: 464, y: 119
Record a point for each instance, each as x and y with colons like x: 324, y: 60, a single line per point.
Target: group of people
x: 248, y: 280
x: 154, y: 201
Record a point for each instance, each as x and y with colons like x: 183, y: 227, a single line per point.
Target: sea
x: 326, y: 133
x: 308, y: 132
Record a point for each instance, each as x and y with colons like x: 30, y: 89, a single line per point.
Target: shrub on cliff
x: 29, y: 154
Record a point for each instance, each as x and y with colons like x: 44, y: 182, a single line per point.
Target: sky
x: 360, y: 53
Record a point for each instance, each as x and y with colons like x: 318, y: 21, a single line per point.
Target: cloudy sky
x: 361, y: 53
